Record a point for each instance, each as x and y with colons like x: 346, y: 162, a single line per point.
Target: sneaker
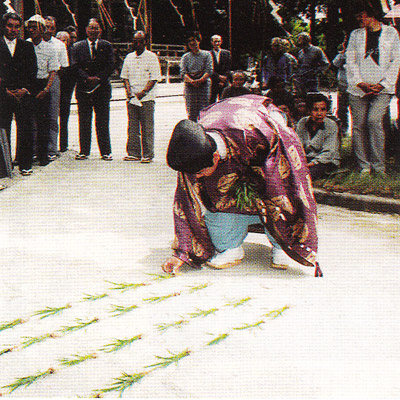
x: 364, y: 172
x: 131, y: 158
x: 52, y: 157
x: 107, y: 157
x: 279, y: 259
x: 146, y: 160
x: 26, y: 172
x: 81, y: 157
x: 227, y: 258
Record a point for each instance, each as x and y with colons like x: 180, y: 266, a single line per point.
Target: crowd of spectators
x: 38, y: 77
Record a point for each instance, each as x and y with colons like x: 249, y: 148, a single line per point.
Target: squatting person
x: 239, y: 165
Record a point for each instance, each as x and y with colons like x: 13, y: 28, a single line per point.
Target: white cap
x: 36, y: 18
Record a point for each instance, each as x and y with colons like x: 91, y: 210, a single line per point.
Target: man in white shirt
x: 62, y: 58
x: 140, y: 72
x: 372, y: 65
x: 47, y: 67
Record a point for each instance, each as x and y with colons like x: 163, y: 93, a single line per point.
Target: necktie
x: 93, y: 47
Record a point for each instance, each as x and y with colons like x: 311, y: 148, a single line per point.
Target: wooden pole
x: 148, y: 6
x: 18, y: 6
x: 230, y: 24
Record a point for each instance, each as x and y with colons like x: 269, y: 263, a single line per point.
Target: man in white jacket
x: 373, y: 61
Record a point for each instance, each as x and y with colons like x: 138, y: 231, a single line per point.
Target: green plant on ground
x: 123, y: 382
x: 79, y: 325
x: 28, y: 380
x: 249, y: 326
x: 119, y: 344
x: 276, y: 313
x: 161, y: 277
x: 198, y: 287
x: 6, y: 350
x: 166, y: 361
x: 11, y: 324
x: 237, y: 303
x: 175, y: 324
x: 121, y: 310
x: 76, y: 359
x: 50, y: 311
x: 218, y: 339
x: 202, y: 313
x: 347, y: 179
x: 123, y: 287
x: 29, y: 340
x: 94, y: 297
x: 158, y: 299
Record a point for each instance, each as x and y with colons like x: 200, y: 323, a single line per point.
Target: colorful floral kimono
x: 265, y: 161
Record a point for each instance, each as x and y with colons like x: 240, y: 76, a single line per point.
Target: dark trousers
x: 68, y: 83
x: 342, y: 110
x: 101, y: 107
x: 319, y: 170
x: 22, y: 111
x: 41, y: 108
x: 216, y: 91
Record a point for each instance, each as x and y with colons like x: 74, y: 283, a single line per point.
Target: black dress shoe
x: 43, y: 163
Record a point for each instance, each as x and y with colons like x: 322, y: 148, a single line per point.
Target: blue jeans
x: 228, y: 231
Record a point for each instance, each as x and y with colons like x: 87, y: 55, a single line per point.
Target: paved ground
x: 74, y: 235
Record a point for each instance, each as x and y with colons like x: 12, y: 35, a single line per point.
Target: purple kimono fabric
x: 249, y: 126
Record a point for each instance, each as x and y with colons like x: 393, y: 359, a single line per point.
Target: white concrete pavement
x: 77, y: 229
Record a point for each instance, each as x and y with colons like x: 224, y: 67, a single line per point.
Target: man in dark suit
x: 19, y: 67
x: 94, y: 61
x: 221, y: 68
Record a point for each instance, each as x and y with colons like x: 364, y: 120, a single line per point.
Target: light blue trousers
x: 228, y: 231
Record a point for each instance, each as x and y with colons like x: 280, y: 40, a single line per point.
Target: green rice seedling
x: 6, y: 350
x: 29, y: 340
x: 123, y: 287
x: 11, y: 324
x: 218, y: 339
x: 123, y: 382
x: 202, y: 313
x: 193, y: 289
x: 49, y: 311
x: 158, y: 299
x: 237, y: 303
x: 28, y: 380
x: 161, y: 277
x: 121, y: 310
x: 79, y: 325
x: 249, y: 326
x: 175, y: 324
x: 76, y: 359
x: 89, y: 297
x: 119, y: 344
x: 276, y: 313
x: 166, y: 361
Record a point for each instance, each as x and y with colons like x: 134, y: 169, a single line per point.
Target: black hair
x: 10, y: 15
x: 313, y: 98
x: 371, y: 7
x: 71, y: 28
x: 193, y: 34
